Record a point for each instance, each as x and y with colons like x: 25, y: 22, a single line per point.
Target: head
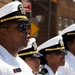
x: 68, y: 35
x: 53, y: 52
x: 31, y: 56
x: 14, y: 26
x: 33, y: 62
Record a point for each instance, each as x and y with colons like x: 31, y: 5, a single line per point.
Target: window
x: 66, y: 22
x: 72, y: 21
x: 60, y: 23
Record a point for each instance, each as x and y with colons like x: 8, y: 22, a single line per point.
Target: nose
x: 27, y: 32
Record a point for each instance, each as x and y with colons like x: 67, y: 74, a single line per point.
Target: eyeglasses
x: 59, y: 52
x: 23, y: 27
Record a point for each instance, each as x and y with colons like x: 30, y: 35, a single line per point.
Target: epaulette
x: 43, y: 71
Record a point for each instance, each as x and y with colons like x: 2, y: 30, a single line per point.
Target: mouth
x: 37, y: 65
x: 63, y: 59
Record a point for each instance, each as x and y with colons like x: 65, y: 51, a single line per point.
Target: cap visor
x: 36, y: 55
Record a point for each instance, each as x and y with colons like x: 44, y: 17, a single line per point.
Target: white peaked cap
x: 9, y: 8
x: 30, y: 42
x: 68, y: 29
x: 31, y: 49
x: 50, y: 42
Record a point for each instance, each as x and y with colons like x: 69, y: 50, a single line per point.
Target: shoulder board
x: 43, y: 71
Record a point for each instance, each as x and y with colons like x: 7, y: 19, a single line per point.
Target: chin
x: 62, y: 64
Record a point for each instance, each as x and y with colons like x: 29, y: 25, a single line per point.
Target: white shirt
x: 10, y: 65
x: 69, y: 67
x: 50, y: 72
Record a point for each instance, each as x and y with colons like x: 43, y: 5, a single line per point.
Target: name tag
x: 17, y: 70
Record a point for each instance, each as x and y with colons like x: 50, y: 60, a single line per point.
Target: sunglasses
x: 24, y: 27
x: 59, y: 52
x: 21, y: 27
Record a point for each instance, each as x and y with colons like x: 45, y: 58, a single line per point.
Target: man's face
x: 16, y: 35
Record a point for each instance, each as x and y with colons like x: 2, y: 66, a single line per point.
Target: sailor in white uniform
x: 13, y: 38
x: 10, y: 65
x: 31, y: 55
x: 53, y: 55
x: 68, y: 35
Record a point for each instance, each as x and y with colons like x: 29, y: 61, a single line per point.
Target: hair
x: 43, y: 60
x: 66, y: 39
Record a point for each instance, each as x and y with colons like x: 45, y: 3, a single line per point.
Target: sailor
x: 14, y: 33
x: 68, y: 35
x: 31, y: 55
x: 53, y: 55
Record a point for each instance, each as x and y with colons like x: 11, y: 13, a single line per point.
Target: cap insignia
x: 34, y: 45
x: 21, y: 9
x: 61, y: 43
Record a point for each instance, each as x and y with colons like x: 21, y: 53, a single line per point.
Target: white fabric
x: 50, y: 72
x: 30, y: 42
x: 69, y: 67
x: 68, y: 29
x: 8, y: 63
x: 50, y: 42
x: 9, y: 8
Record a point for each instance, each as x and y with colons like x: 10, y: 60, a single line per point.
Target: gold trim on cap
x: 22, y: 54
x: 73, y: 33
x: 14, y: 17
x: 52, y: 49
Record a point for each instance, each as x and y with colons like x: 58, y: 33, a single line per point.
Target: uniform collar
x: 49, y: 70
x: 5, y: 54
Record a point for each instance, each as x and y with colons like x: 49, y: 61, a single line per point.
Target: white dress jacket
x: 10, y: 65
x: 50, y: 72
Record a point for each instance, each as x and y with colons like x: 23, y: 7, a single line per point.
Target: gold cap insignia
x: 21, y: 9
x: 61, y: 43
x: 34, y: 45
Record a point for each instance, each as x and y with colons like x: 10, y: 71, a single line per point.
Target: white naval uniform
x: 10, y: 65
x: 50, y: 72
x: 69, y: 67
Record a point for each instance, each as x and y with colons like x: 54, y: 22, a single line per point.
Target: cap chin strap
x: 14, y: 17
x: 71, y: 33
x: 32, y: 52
x: 52, y: 49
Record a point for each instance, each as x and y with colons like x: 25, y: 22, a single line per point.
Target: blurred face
x: 71, y: 46
x: 57, y: 59
x: 34, y: 63
x: 16, y: 34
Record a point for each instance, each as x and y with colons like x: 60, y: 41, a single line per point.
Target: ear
x: 69, y: 44
x: 48, y: 56
x: 2, y: 32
